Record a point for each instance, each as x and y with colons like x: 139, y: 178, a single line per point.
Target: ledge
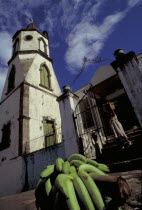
x: 46, y: 87
x: 30, y: 52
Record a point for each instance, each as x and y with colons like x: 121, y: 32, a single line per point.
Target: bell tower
x: 29, y: 111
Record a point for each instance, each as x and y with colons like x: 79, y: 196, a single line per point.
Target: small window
x: 6, y: 131
x: 11, y: 80
x: 49, y: 133
x: 42, y: 45
x: 45, y: 77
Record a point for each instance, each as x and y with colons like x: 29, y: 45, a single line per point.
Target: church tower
x: 29, y: 111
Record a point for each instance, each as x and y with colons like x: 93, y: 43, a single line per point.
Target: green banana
x: 92, y: 162
x: 73, y: 170
x: 76, y: 163
x: 64, y: 183
x: 66, y: 167
x: 90, y: 168
x: 82, y: 193
x: 103, y: 168
x: 92, y: 189
x: 77, y: 157
x: 103, y: 178
x: 59, y: 164
x: 47, y: 172
x: 48, y: 186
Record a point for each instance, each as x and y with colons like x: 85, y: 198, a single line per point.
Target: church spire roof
x: 31, y: 26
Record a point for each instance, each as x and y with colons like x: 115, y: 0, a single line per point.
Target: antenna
x: 31, y: 20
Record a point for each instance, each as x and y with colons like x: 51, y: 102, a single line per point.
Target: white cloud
x: 74, y: 19
x: 91, y: 11
x: 132, y: 3
x: 109, y: 23
x: 87, y: 39
x: 6, y: 47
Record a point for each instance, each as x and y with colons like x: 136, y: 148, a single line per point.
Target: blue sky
x: 77, y: 28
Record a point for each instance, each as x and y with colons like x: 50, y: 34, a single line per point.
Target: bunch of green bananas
x: 71, y: 185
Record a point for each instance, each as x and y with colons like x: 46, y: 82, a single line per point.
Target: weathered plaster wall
x: 9, y: 111
x: 19, y: 77
x: 11, y: 176
x: 42, y: 105
x: 22, y: 173
x: 32, y: 44
x: 33, y: 75
x: 67, y: 107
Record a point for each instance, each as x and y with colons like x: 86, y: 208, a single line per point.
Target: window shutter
x: 45, y: 77
x: 49, y: 133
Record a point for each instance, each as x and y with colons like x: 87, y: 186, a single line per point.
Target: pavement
x: 21, y: 201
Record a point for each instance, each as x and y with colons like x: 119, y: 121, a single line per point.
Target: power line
x: 86, y: 60
x: 44, y: 135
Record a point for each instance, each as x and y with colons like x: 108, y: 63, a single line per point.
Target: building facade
x: 120, y: 86
x: 29, y: 112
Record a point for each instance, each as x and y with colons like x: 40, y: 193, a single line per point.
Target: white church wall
x: 33, y: 44
x: 19, y: 76
x: 32, y: 103
x: 33, y: 75
x: 29, y: 45
x: 42, y: 105
x: 9, y: 111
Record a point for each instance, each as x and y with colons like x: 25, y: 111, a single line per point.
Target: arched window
x: 42, y: 45
x: 16, y: 46
x: 45, y: 76
x: 11, y: 80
